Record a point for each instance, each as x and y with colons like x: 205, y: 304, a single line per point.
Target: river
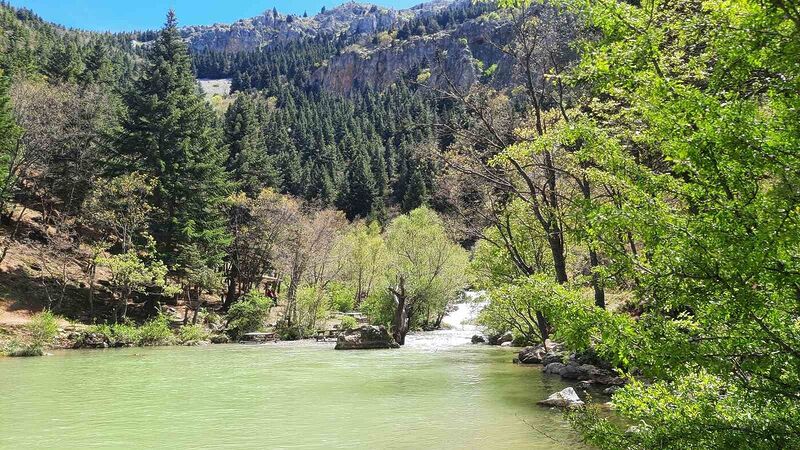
x: 438, y: 391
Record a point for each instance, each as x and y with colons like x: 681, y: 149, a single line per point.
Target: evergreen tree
x: 416, y: 193
x: 358, y: 194
x: 98, y: 68
x: 64, y: 63
x: 248, y: 163
x: 169, y: 134
x: 8, y: 136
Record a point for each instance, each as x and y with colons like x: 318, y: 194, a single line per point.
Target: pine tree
x: 416, y: 193
x: 169, y: 134
x: 358, y: 193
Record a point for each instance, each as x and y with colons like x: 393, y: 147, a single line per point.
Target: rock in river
x: 366, y: 337
x: 566, y: 398
x: 478, y: 339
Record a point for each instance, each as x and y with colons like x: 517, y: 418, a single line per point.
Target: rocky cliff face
x: 350, y: 19
x: 459, y: 56
x: 384, y: 44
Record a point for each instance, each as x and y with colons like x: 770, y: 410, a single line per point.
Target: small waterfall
x: 460, y: 323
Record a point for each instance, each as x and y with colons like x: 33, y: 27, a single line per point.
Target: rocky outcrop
x: 448, y: 57
x: 366, y: 337
x: 350, y: 19
x: 566, y: 398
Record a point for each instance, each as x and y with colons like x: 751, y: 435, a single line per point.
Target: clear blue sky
x: 122, y: 15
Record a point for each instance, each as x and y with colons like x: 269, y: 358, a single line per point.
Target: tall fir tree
x: 358, y: 194
x: 249, y: 165
x: 416, y: 193
x: 9, y: 132
x: 169, y: 134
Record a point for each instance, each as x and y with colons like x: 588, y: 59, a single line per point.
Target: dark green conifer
x: 169, y: 134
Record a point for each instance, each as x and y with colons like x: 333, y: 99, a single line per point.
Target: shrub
x: 18, y: 349
x: 248, y: 314
x: 349, y: 323
x: 379, y: 307
x: 192, y: 334
x: 292, y: 333
x: 156, y: 332
x: 43, y: 329
x: 342, y: 297
x: 313, y: 306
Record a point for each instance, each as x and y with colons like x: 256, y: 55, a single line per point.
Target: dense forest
x: 632, y: 195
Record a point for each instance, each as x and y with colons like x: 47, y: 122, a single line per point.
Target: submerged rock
x: 366, y: 337
x: 566, y: 398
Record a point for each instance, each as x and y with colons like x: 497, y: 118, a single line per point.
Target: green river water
x: 436, y: 392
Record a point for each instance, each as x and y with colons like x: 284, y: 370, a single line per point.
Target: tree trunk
x: 233, y: 281
x: 400, y: 322
x: 597, y: 283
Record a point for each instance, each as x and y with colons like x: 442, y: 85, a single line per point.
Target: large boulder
x: 566, y: 398
x: 531, y: 355
x: 366, y: 337
x: 499, y: 339
x: 478, y: 339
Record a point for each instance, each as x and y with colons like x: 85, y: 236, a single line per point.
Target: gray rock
x: 552, y: 357
x: 566, y: 398
x: 366, y: 337
x: 478, y: 339
x: 531, y: 355
x: 554, y: 368
x: 611, y: 390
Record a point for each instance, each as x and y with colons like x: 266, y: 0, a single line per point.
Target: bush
x: 248, y: 314
x: 192, y: 334
x: 342, y: 297
x: 18, y: 349
x: 292, y: 333
x: 43, y: 329
x: 349, y: 323
x: 379, y: 307
x: 313, y: 306
x: 156, y: 332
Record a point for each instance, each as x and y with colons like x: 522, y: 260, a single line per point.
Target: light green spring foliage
x: 42, y: 331
x: 156, y: 332
x: 364, y: 252
x: 248, y: 314
x: 348, y: 323
x: 313, y: 307
x: 434, y: 267
x: 492, y: 265
x: 692, y: 125
x: 192, y: 334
